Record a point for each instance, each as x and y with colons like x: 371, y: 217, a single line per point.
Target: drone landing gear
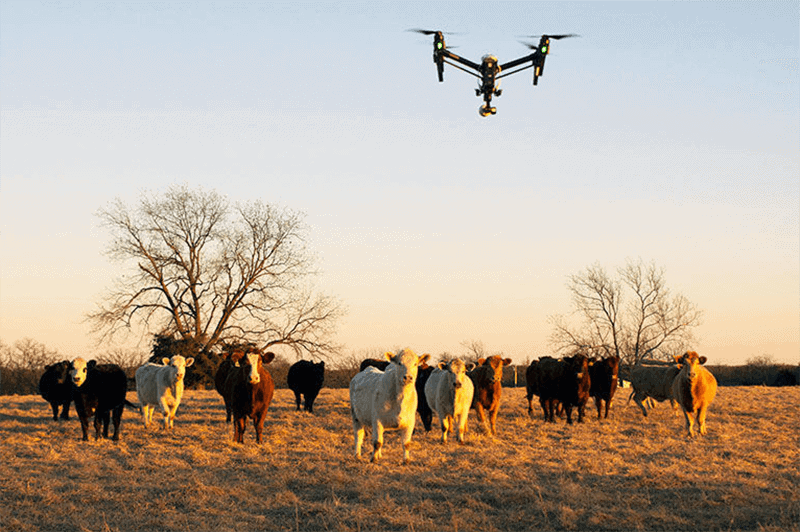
x: 485, y: 110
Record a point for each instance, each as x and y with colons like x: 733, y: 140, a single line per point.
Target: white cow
x: 386, y: 400
x: 449, y: 393
x: 162, y: 385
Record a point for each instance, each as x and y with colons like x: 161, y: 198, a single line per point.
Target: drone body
x: 489, y: 70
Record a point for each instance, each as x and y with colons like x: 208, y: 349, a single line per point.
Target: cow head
x: 458, y: 369
x: 578, y: 366
x: 79, y: 370
x: 61, y: 370
x: 689, y: 362
x: 496, y: 363
x: 178, y: 365
x: 406, y: 364
x: 251, y: 363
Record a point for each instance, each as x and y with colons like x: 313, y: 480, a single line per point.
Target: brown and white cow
x: 249, y: 388
x: 653, y: 382
x: 386, y: 400
x: 693, y: 388
x: 487, y: 378
x: 604, y: 376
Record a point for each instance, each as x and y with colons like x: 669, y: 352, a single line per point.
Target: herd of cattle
x: 385, y: 394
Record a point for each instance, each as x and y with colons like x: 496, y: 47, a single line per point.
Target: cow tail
x: 135, y: 406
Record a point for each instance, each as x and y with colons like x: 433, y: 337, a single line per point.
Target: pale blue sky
x: 668, y: 132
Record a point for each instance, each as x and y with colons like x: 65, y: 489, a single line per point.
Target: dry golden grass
x: 627, y: 473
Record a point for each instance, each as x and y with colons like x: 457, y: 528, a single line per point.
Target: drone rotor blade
x: 556, y: 37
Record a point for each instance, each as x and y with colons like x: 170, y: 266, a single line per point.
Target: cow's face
x: 251, y: 362
x: 578, y: 365
x: 61, y: 370
x: 459, y: 371
x: 406, y: 364
x: 496, y: 363
x: 690, y: 363
x: 78, y: 371
x: 178, y: 364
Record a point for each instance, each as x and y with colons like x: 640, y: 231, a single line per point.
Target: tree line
x: 202, y: 275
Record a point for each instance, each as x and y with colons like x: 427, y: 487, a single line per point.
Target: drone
x: 489, y: 70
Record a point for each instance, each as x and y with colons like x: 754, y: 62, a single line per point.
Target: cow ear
x: 702, y: 360
x: 321, y: 364
x: 91, y: 364
x: 677, y: 358
x: 481, y: 361
x: 423, y: 360
x: 506, y: 361
x: 165, y: 361
x: 189, y: 362
x: 236, y: 356
x: 267, y: 357
x: 441, y: 365
x: 471, y: 366
x: 388, y: 355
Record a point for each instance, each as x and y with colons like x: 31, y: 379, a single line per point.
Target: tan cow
x: 693, y: 388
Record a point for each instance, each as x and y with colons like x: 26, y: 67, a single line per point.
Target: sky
x: 667, y: 132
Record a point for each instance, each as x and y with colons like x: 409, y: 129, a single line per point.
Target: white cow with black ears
x: 386, y: 400
x: 162, y: 385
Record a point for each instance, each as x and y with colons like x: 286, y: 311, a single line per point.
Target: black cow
x: 219, y: 382
x: 563, y: 382
x: 604, y: 376
x: 375, y: 363
x: 55, y: 387
x: 98, y: 390
x: 425, y: 413
x: 305, y: 379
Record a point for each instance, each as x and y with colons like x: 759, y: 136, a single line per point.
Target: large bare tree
x: 633, y: 315
x: 206, y: 270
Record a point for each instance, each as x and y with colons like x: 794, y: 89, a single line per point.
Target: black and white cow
x: 98, y: 390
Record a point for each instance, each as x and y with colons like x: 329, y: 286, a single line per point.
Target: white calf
x: 162, y: 385
x: 386, y: 400
x: 449, y: 393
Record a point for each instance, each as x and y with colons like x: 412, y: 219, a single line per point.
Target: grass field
x: 626, y: 473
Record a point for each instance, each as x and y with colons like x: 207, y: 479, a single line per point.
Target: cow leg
x: 581, y: 412
x: 358, y: 436
x: 608, y: 405
x: 688, y: 416
x: 377, y: 441
x: 258, y: 423
x: 599, y: 404
x: 639, y: 400
x: 701, y: 418
x: 493, y: 420
x: 310, y: 398
x: 407, y: 432
x: 54, y: 408
x: 461, y: 425
x: 117, y: 419
x: 65, y: 411
x: 165, y: 407
x: 297, y: 399
x: 98, y: 425
x: 482, y: 417
x: 427, y: 420
x: 445, y: 424
x: 239, y: 426
x: 568, y: 411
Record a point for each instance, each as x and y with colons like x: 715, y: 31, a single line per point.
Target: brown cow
x: 487, y: 378
x: 249, y: 390
x: 693, y: 388
x: 604, y: 374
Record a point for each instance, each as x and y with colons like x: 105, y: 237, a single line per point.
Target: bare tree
x: 633, y: 316
x: 206, y: 270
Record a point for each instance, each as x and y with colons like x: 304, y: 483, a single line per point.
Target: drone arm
x: 466, y: 62
x: 530, y: 58
x: 462, y: 69
x: 515, y: 71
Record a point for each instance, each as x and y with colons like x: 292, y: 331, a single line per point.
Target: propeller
x: 556, y: 37
x: 431, y: 32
